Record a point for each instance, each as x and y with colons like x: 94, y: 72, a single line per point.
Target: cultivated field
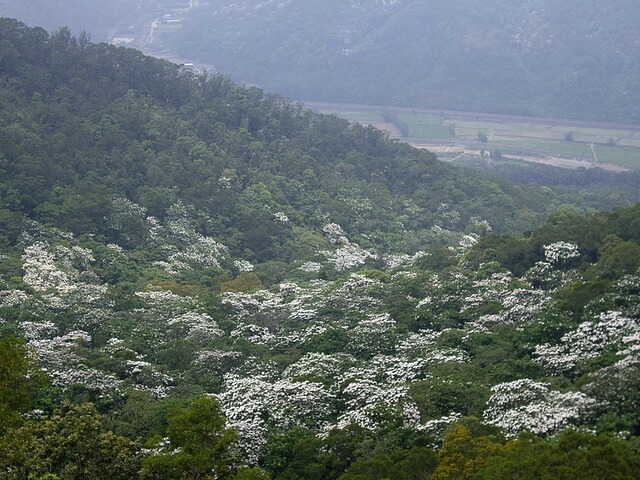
x: 558, y: 142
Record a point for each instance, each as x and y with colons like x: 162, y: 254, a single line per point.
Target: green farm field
x: 599, y: 143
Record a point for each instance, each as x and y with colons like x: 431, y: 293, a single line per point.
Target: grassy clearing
x: 425, y: 126
x: 360, y: 117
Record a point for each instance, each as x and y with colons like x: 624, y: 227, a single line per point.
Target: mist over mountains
x: 570, y: 58
x: 94, y: 16
x: 575, y: 59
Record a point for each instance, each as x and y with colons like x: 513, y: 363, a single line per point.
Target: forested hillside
x: 573, y: 58
x: 201, y: 280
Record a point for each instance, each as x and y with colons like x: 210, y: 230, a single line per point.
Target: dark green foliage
x: 573, y: 455
x: 206, y: 447
x: 352, y: 453
x: 508, y: 251
x: 574, y: 296
x: 611, y: 239
x: 616, y: 258
x: 19, y: 382
x: 439, y: 396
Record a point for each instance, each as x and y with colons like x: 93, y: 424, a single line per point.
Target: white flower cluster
x: 395, y: 261
x: 560, y: 253
x: 347, y: 256
x: 522, y: 305
x: 388, y: 370
x: 225, y: 181
x: 319, y: 365
x: 280, y: 217
x: 494, y: 289
x: 417, y: 343
x: 468, y: 241
x: 67, y: 270
x: 311, y: 267
x: 42, y: 271
x: 357, y: 204
x: 178, y: 236
x: 589, y: 340
x: 550, y: 273
x: 204, y: 252
x: 200, y: 326
x: 438, y: 426
x: 254, y: 334
x: 357, y: 293
x: 65, y: 368
x: 38, y: 330
x: 372, y: 335
x: 122, y: 209
x: 146, y: 377
x: 12, y: 298
x: 480, y: 224
x: 525, y: 405
x: 218, y: 361
x: 243, y: 266
x: 303, y: 314
x: 301, y: 337
x: 335, y: 234
x: 369, y: 404
x: 248, y: 305
x: 252, y: 404
x: 166, y: 303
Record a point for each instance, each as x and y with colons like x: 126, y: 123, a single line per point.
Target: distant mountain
x: 564, y: 59
x: 573, y: 58
x: 97, y: 17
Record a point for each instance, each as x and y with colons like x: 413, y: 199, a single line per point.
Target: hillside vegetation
x: 199, y: 280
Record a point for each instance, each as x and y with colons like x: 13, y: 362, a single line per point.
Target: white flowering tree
x: 610, y: 331
x: 526, y: 405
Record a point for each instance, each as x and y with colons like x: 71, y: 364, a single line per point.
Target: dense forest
x: 202, y: 280
x: 573, y: 58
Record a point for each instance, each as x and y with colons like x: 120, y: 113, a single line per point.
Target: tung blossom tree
x: 526, y: 405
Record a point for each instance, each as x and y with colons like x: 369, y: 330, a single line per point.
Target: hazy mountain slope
x: 573, y: 58
x: 94, y: 16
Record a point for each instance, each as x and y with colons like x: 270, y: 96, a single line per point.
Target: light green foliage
x: 462, y: 454
x: 410, y: 464
x: 254, y: 473
x: 245, y: 282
